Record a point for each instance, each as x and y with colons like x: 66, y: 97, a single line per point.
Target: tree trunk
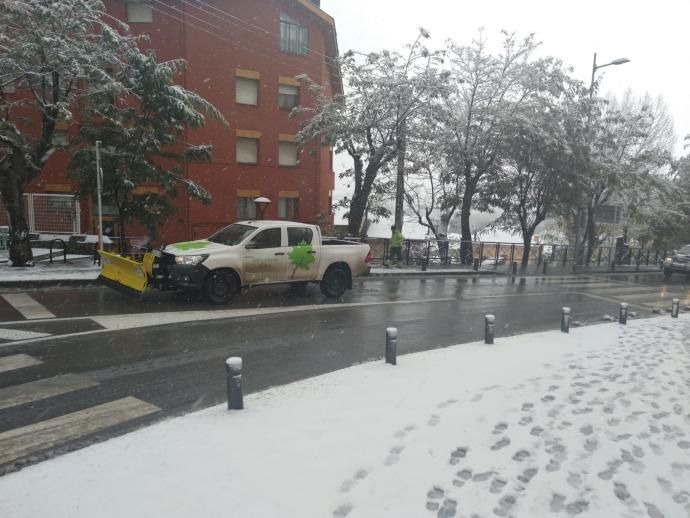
x: 13, y: 198
x: 526, y: 247
x: 466, y: 232
x: 358, y: 207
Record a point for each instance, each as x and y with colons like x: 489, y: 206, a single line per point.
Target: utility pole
x: 99, y: 183
x: 400, y: 181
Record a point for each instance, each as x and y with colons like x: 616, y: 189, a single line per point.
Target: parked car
x: 679, y: 262
x: 244, y: 254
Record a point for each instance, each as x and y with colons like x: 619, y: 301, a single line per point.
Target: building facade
x: 243, y: 56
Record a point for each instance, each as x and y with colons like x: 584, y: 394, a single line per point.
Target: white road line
x: 17, y: 361
x: 31, y: 439
x: 27, y: 306
x: 17, y: 334
x: 42, y: 389
x: 611, y: 299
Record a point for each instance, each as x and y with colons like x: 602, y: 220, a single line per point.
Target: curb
x: 49, y: 283
x: 430, y: 273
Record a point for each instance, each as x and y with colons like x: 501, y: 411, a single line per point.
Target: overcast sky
x: 654, y: 35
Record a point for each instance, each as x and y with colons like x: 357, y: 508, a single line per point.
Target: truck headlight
x: 190, y: 259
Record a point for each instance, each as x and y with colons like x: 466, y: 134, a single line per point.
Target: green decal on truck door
x: 302, y: 257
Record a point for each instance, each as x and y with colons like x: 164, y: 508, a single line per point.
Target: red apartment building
x: 243, y: 57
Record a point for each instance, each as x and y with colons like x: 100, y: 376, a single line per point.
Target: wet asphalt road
x: 179, y: 367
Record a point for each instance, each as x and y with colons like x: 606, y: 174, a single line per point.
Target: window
x: 297, y: 235
x: 288, y: 208
x: 287, y: 153
x: 293, y: 37
x: 233, y: 234
x: 246, y: 91
x: 247, y: 150
x: 139, y: 12
x: 288, y: 97
x: 269, y: 238
x: 246, y: 208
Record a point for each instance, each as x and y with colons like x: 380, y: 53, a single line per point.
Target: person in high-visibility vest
x: 397, y: 239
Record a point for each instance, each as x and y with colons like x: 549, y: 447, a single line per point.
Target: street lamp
x: 595, y: 67
x: 261, y: 203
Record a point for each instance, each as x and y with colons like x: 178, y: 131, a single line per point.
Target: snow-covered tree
x: 487, y: 89
x: 382, y: 92
x: 537, y: 178
x: 141, y: 133
x: 49, y: 51
x: 626, y: 143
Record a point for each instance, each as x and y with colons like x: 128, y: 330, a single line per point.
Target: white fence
x: 49, y: 213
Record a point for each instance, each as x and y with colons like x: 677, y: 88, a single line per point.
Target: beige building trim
x: 247, y: 74
x: 248, y: 193
x: 288, y: 194
x: 284, y: 80
x: 247, y: 133
x: 287, y: 137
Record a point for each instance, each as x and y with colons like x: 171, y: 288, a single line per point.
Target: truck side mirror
x: 252, y: 245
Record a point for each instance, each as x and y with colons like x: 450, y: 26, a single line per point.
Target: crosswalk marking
x: 17, y: 361
x: 31, y: 439
x: 42, y: 389
x: 27, y: 306
x: 17, y: 334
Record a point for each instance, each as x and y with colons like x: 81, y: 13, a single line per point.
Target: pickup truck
x: 679, y: 262
x: 244, y: 254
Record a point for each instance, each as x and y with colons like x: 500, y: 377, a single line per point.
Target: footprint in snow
x: 505, y: 504
x: 393, y: 455
x: 447, y: 403
x: 557, y: 503
x: 500, y: 427
x: 527, y: 406
x: 525, y: 420
x: 591, y: 444
x: 434, y: 495
x: 621, y: 491
x: 434, y: 420
x: 448, y: 509
x: 481, y: 477
x: 497, y: 485
x: 548, y: 398
x: 342, y: 511
x: 653, y: 511
x: 457, y: 454
x: 553, y: 465
x: 476, y: 398
x: 536, y: 431
x: 505, y: 441
x: 587, y: 430
x: 527, y: 475
x: 521, y: 455
x: 574, y: 480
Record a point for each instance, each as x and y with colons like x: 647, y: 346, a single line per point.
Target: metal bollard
x: 637, y: 265
x: 514, y: 267
x: 475, y: 265
x: 675, y: 308
x: 546, y: 263
x: 392, y: 345
x: 489, y: 324
x: 613, y: 266
x: 623, y: 315
x: 233, y: 375
x: 565, y: 320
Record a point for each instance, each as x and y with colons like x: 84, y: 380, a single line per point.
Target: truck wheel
x: 334, y: 282
x: 220, y: 287
x: 668, y: 273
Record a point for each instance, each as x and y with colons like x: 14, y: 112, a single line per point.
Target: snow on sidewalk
x: 595, y: 422
x: 82, y: 270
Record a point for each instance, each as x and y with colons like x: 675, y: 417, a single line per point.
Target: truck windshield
x: 232, y: 235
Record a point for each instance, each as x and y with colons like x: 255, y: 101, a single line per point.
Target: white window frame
x: 138, y: 10
x: 244, y: 96
x: 288, y: 154
x: 285, y: 94
x: 241, y: 155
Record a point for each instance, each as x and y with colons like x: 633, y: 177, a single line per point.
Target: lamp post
x: 261, y: 203
x: 595, y: 67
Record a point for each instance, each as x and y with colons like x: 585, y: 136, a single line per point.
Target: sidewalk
x: 593, y: 422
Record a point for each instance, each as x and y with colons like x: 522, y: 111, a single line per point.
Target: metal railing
x: 494, y: 255
x: 49, y: 213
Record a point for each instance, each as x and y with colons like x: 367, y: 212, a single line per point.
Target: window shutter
x: 247, y: 150
x: 246, y: 91
x: 287, y: 153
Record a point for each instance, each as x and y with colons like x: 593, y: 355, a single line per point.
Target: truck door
x: 303, y: 254
x: 265, y: 258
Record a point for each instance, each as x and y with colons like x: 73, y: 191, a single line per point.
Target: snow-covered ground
x: 77, y: 268
x: 594, y: 422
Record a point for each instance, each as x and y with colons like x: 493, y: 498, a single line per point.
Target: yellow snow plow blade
x: 125, y: 274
